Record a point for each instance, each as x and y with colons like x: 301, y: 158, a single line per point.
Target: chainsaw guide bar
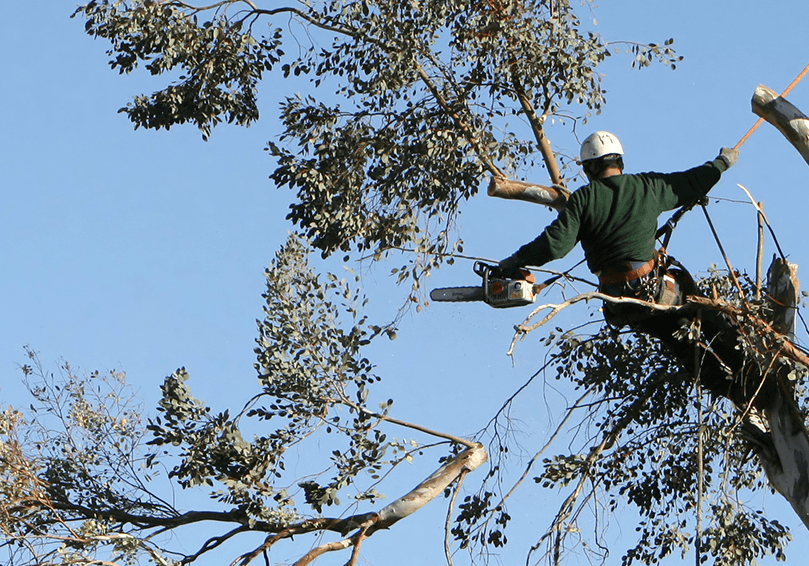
x: 458, y: 294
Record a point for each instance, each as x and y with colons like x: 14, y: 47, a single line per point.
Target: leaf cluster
x: 217, y: 62
x: 87, y: 459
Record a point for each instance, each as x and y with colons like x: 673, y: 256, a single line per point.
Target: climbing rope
x: 724, y: 255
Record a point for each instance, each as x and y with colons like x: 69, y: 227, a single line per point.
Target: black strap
x: 666, y: 229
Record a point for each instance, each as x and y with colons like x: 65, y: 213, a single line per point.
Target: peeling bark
x: 788, y: 471
x: 783, y: 287
x: 790, y: 121
x: 368, y: 523
x: 787, y: 462
x: 554, y: 197
x: 467, y: 461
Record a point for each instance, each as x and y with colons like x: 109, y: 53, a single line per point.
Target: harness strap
x: 615, y: 275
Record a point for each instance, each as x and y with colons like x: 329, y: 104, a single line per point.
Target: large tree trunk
x: 786, y: 461
x: 787, y: 464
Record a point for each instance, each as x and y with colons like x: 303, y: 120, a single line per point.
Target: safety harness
x: 624, y: 272
x: 653, y: 279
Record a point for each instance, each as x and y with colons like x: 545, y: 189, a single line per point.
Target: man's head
x: 601, y: 153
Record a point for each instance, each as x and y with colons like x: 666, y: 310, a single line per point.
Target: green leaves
x: 420, y: 95
x: 645, y: 54
x: 219, y: 62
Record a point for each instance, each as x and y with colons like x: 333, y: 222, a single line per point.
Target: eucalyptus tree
x: 421, y: 95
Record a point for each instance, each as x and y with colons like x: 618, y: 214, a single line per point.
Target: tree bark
x: 554, y: 197
x: 432, y: 487
x: 368, y: 523
x: 787, y: 467
x: 789, y: 120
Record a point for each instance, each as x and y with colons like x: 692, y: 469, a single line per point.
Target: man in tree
x: 615, y: 218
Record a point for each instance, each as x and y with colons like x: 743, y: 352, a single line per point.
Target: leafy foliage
x: 420, y: 99
x: 221, y: 62
x: 87, y: 458
x: 308, y: 366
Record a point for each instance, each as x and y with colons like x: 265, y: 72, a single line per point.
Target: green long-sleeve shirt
x: 615, y: 218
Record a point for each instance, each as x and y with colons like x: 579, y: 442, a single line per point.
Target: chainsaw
x: 500, y: 288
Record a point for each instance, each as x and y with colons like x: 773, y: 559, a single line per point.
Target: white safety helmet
x: 599, y: 144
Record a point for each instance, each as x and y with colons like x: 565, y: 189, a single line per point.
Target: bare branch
x: 557, y: 529
x: 431, y: 432
x: 522, y: 329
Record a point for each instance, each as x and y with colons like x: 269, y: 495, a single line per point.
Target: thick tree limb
x: 788, y: 468
x: 554, y: 197
x: 548, y: 156
x: 787, y: 118
x: 365, y: 524
x: 467, y: 461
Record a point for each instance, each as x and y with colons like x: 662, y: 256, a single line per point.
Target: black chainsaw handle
x: 488, y: 271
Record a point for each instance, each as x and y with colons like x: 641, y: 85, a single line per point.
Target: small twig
x: 766, y: 221
x: 448, y: 524
x: 556, y: 308
x: 567, y: 508
x: 749, y: 405
x: 355, y: 552
x: 759, y: 250
x: 310, y: 556
x: 447, y: 436
x: 556, y: 433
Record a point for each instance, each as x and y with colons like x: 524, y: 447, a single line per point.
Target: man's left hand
x: 729, y: 155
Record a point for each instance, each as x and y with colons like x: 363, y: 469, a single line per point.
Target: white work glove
x: 729, y: 155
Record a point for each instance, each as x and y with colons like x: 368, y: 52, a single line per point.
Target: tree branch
x: 431, y: 432
x: 587, y: 467
x: 548, y: 155
x: 522, y: 329
x: 465, y: 462
x: 467, y: 130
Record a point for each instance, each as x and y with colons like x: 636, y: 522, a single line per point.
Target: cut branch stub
x: 783, y: 289
x: 787, y: 118
x: 554, y: 197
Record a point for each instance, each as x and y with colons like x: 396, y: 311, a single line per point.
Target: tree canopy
x: 412, y: 107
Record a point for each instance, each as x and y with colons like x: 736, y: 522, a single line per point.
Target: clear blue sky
x: 145, y: 251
